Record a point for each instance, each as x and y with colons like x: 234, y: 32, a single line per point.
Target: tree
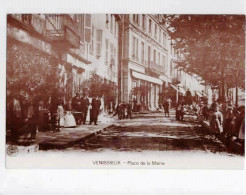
x: 97, y: 86
x: 30, y: 72
x: 211, y: 46
x: 93, y: 86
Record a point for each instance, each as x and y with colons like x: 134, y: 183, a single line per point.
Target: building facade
x: 183, y: 81
x: 75, y: 44
x: 145, y: 67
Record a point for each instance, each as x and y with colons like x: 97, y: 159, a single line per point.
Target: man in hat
x: 84, y: 107
x: 76, y: 105
x: 95, y: 107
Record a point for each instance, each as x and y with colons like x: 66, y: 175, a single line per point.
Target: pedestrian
x: 93, y: 113
x: 129, y: 111
x: 188, y: 97
x: 41, y: 115
x: 69, y: 120
x: 14, y: 116
x: 134, y: 105
x: 229, y: 124
x: 180, y: 112
x: 241, y: 134
x: 76, y: 105
x: 118, y: 112
x: 84, y: 107
x: 205, y: 111
x: 240, y: 126
x: 216, y: 122
x: 98, y: 106
x: 60, y: 115
x: 167, y: 106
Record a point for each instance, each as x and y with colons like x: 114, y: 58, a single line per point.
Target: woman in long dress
x: 60, y: 115
x: 69, y: 120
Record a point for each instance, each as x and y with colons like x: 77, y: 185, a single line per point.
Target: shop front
x: 145, y: 91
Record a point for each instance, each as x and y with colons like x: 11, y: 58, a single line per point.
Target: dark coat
x: 84, y: 104
x: 76, y: 104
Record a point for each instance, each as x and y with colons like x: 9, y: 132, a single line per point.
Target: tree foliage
x: 211, y: 46
x: 30, y: 72
x: 97, y: 86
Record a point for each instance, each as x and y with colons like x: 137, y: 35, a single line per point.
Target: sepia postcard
x: 122, y: 97
x: 125, y: 91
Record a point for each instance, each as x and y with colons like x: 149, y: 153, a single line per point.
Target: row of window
x: 153, y: 55
x: 112, y: 24
x: 93, y: 36
x: 153, y: 29
x: 110, y: 53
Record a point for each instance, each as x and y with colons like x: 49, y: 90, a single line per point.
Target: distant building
x: 145, y: 70
x: 183, y: 81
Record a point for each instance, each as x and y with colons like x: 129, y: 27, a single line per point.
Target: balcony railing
x: 63, y: 30
x: 156, y: 68
x: 32, y: 21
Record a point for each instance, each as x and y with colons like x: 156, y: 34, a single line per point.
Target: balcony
x: 63, y: 31
x: 30, y: 22
x: 156, y: 68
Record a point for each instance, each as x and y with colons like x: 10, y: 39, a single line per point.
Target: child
x: 216, y: 122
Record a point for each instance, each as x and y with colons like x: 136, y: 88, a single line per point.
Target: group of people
x: 80, y: 107
x: 123, y: 111
x: 29, y: 115
x: 224, y: 118
x: 228, y: 120
x: 76, y: 111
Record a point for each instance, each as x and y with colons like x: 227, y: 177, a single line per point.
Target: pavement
x: 156, y: 131
x: 68, y: 136
x: 145, y: 138
x: 150, y: 131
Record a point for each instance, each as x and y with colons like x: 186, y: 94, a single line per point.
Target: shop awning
x: 174, y: 87
x: 147, y: 78
x: 163, y: 78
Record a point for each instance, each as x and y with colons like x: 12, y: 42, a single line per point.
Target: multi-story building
x: 145, y: 68
x: 78, y: 44
x: 129, y: 51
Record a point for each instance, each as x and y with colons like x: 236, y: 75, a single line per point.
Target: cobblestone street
x: 146, y: 138
x: 155, y: 132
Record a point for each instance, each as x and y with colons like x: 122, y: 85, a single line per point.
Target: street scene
x: 101, y: 90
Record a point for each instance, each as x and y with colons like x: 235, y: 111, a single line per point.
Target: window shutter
x: 82, y: 28
x: 111, y: 54
x: 164, y: 39
x: 137, y: 49
x: 87, y: 27
x: 106, y: 54
x: 99, y: 42
x: 133, y: 47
